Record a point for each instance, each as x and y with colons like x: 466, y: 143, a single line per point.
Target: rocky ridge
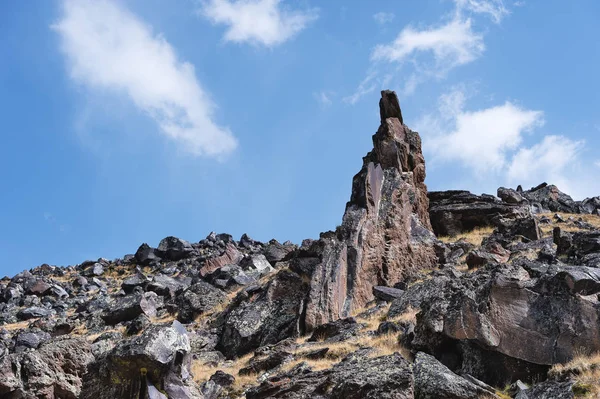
x: 415, y: 295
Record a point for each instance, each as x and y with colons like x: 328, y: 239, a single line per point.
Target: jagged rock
x: 385, y: 233
x: 276, y: 252
x: 455, y: 212
x: 231, y: 255
x: 130, y: 307
x: 256, y: 264
x: 160, y: 357
x: 581, y: 280
x: 52, y: 371
x: 272, y: 361
x: 548, y: 198
x: 509, y: 195
x: 387, y: 294
x: 527, y: 323
x: 198, y: 299
x: 173, y: 248
x: 31, y: 340
x: 146, y: 255
x: 433, y: 380
x: 339, y: 330
x: 525, y: 226
x: 549, y: 390
x: 228, y: 276
x: 34, y: 312
x: 356, y: 377
x: 264, y: 315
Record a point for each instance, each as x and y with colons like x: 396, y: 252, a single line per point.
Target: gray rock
x: 387, y: 294
x: 433, y: 380
x: 198, y: 299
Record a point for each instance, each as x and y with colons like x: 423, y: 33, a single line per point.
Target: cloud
x: 420, y: 54
x: 495, y: 9
x: 597, y: 163
x: 323, y: 98
x: 547, y: 160
x: 451, y: 45
x: 263, y: 22
x: 487, y: 147
x: 481, y: 140
x: 383, y: 18
x: 109, y: 48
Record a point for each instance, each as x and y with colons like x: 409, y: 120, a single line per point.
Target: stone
x: 130, y: 307
x: 146, y: 255
x: 199, y: 298
x: 433, y: 380
x: 174, y: 249
x: 264, y: 315
x: 159, y: 357
x: 387, y: 294
x: 509, y: 195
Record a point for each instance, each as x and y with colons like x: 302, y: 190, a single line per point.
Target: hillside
x: 416, y: 294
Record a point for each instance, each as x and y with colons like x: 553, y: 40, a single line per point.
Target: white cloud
x: 488, y: 147
x: 422, y: 54
x: 546, y: 161
x: 109, y: 48
x: 323, y: 98
x: 451, y: 45
x: 481, y: 140
x: 597, y: 163
x: 264, y: 22
x: 495, y: 9
x: 383, y: 18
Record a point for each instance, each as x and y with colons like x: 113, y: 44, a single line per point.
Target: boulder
x: 157, y: 359
x: 509, y: 195
x: 355, y: 377
x: 54, y: 370
x: 433, y: 380
x: 387, y: 294
x: 456, y: 212
x: 130, y: 307
x: 198, y: 299
x: 173, y: 248
x: 264, y: 315
x: 146, y: 255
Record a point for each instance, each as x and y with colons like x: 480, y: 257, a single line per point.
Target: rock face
x: 159, y: 359
x: 385, y: 233
x: 455, y: 212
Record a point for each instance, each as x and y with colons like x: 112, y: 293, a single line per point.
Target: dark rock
x: 276, y: 252
x: 339, y: 330
x: 173, y: 248
x: 31, y: 339
x: 223, y: 379
x: 256, y: 264
x: 160, y: 357
x: 433, y: 380
x: 264, y: 315
x: 387, y: 294
x: 130, y: 307
x: 52, y: 371
x: 456, y: 212
x: 198, y: 299
x: 509, y: 195
x: 551, y: 199
x: 34, y: 312
x: 146, y: 255
x: 272, y: 361
x: 356, y: 377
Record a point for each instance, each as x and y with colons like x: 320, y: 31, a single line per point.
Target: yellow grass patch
x: 567, y: 226
x: 202, y: 373
x: 16, y: 326
x: 474, y: 236
x: 585, y: 369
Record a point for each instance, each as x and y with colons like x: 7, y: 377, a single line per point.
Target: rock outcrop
x: 385, y: 235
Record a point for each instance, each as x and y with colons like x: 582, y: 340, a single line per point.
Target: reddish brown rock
x: 385, y: 235
x: 231, y: 256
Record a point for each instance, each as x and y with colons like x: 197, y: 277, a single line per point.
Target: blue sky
x: 127, y: 121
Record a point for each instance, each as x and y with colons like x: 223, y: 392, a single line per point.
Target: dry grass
x: 166, y: 318
x: 567, y: 226
x: 16, y: 326
x: 409, y: 316
x: 585, y: 370
x: 474, y: 236
x: 202, y: 373
x: 92, y: 337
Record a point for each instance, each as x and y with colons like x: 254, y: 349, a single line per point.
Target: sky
x: 126, y: 121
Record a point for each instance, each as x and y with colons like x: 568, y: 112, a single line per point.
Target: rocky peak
x: 385, y: 234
